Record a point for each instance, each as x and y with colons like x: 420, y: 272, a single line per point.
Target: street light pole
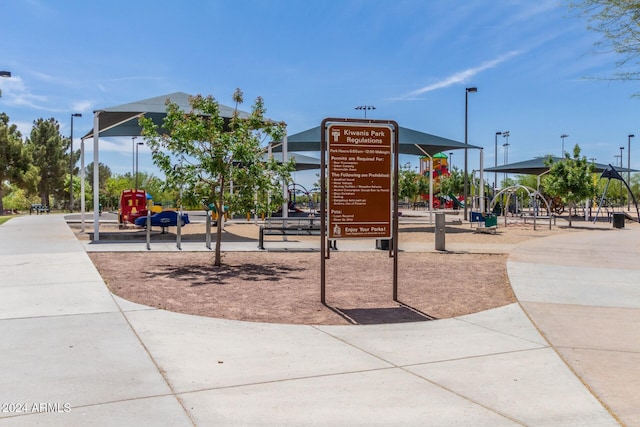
x: 506, y: 153
x: 450, y: 162
x: 133, y: 156
x: 137, y: 145
x: 466, y: 142
x: 621, y: 157
x: 629, y: 169
x: 71, y: 164
x: 495, y: 163
x: 563, y: 136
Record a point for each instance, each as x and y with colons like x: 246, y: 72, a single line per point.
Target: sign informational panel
x: 360, y: 180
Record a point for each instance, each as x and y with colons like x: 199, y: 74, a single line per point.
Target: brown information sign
x: 360, y: 178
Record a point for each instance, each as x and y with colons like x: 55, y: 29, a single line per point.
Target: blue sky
x: 533, y: 62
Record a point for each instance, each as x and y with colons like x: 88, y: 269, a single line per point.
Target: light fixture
x: 365, y: 108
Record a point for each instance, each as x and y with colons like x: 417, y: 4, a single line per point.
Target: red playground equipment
x: 133, y: 205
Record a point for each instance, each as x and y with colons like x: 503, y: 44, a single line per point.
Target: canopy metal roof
x: 122, y: 120
x: 411, y: 142
x: 302, y: 162
x: 537, y: 166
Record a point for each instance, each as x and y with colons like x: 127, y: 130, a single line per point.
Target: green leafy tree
x: 618, y: 21
x: 408, y: 188
x: 48, y: 150
x: 113, y: 188
x: 203, y: 152
x: 104, y: 173
x: 570, y: 179
x: 13, y: 157
x: 452, y: 184
x: 16, y: 199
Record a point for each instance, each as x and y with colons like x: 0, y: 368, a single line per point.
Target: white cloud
x: 82, y: 106
x: 460, y: 77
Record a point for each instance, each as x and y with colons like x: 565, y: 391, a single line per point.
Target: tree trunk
x: 1, y: 205
x: 570, y: 214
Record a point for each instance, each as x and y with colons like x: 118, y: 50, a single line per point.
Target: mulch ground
x: 284, y: 287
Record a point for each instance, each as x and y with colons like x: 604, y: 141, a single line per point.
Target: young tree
x: 407, y: 183
x: 114, y: 187
x: 204, y: 153
x: 570, y: 179
x: 452, y: 184
x: 48, y: 151
x: 13, y: 157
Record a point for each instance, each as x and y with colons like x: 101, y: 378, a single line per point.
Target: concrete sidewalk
x: 73, y: 354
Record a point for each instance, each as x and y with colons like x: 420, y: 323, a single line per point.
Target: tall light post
x: 629, y: 169
x: 495, y: 163
x: 450, y: 162
x: 563, y: 136
x: 133, y: 155
x: 621, y: 196
x: 365, y: 108
x: 71, y: 163
x: 137, y: 145
x: 506, y: 153
x: 466, y: 142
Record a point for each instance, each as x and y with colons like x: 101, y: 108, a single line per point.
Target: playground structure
x: 440, y: 163
x: 133, y: 205
x: 294, y: 190
x: 532, y: 211
x: 611, y: 173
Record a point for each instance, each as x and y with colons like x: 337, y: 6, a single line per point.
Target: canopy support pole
x: 430, y: 182
x: 96, y: 177
x: 82, y: 197
x: 481, y: 181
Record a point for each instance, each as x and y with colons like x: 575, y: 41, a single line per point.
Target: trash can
x: 618, y: 220
x: 490, y: 221
x: 383, y: 244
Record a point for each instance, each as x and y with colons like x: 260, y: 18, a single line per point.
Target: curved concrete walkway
x: 71, y: 353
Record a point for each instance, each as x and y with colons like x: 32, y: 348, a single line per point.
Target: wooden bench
x: 289, y: 227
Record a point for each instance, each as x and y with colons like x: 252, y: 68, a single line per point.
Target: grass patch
x: 5, y: 218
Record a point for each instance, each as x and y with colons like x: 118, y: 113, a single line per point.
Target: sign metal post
x: 361, y: 161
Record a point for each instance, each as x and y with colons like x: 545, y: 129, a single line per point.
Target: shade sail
x: 537, y: 166
x: 122, y: 120
x: 411, y: 142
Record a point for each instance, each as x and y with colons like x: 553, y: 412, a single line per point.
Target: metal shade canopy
x: 537, y: 166
x: 412, y: 142
x: 302, y: 162
x: 122, y: 120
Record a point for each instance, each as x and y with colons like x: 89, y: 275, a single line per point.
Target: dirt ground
x: 284, y: 287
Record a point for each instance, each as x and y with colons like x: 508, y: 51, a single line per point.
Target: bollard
x: 208, y: 232
x: 440, y: 231
x: 149, y: 230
